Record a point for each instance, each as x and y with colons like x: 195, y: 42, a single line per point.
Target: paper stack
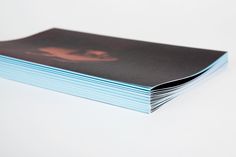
x: 132, y: 74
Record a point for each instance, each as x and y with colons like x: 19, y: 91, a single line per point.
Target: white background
x: 35, y: 122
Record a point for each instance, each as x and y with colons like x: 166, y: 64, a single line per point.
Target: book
x: 132, y: 74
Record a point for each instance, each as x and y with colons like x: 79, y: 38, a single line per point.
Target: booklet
x: 133, y: 74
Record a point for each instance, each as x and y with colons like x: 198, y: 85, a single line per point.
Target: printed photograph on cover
x: 124, y: 60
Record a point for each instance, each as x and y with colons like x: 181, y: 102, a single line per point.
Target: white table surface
x: 35, y: 122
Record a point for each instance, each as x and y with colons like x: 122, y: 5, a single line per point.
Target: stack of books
x: 132, y: 74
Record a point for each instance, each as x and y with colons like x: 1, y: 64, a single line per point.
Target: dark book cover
x: 130, y: 61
